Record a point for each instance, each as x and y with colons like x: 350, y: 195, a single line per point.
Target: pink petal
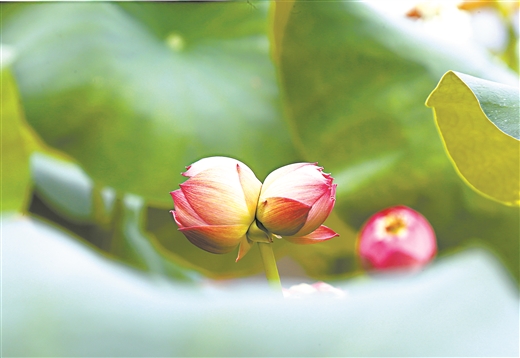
x: 179, y: 224
x: 282, y: 216
x: 391, y: 260
x: 184, y: 214
x: 217, y: 197
x: 304, y: 290
x: 283, y: 171
x: 322, y: 233
x: 251, y: 187
x: 211, y: 162
x: 215, y: 239
x: 319, y: 212
x: 304, y: 182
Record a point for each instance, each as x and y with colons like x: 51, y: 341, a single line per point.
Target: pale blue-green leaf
x: 63, y: 185
x: 60, y: 298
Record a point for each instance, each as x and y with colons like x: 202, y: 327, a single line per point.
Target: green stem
x: 271, y: 271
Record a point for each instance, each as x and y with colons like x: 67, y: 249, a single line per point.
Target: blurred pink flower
x: 318, y: 289
x: 397, y: 237
x: 223, y: 205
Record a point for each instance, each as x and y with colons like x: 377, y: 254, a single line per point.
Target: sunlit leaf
x: 135, y: 92
x: 15, y: 179
x: 60, y: 298
x: 479, y: 122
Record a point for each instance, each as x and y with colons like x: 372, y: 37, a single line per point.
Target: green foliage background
x: 104, y: 104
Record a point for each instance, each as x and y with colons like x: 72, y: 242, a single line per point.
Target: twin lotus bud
x: 223, y: 205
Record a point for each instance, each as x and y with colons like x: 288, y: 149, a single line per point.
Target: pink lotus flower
x: 397, y: 237
x: 223, y: 205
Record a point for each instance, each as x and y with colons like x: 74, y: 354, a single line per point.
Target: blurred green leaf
x: 117, y: 222
x: 60, y: 298
x: 140, y: 242
x: 331, y: 259
x: 63, y: 185
x: 139, y: 91
x: 354, y: 82
x: 479, y: 122
x: 15, y: 181
x: 173, y: 244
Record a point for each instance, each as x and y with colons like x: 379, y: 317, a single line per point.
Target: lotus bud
x: 294, y: 202
x: 396, y: 238
x: 216, y: 206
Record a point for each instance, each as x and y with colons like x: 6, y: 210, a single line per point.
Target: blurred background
x: 115, y: 99
x: 105, y: 104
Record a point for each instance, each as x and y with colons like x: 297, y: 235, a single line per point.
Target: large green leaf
x: 15, y: 180
x: 60, y: 298
x: 136, y: 92
x: 354, y: 83
x: 479, y: 122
